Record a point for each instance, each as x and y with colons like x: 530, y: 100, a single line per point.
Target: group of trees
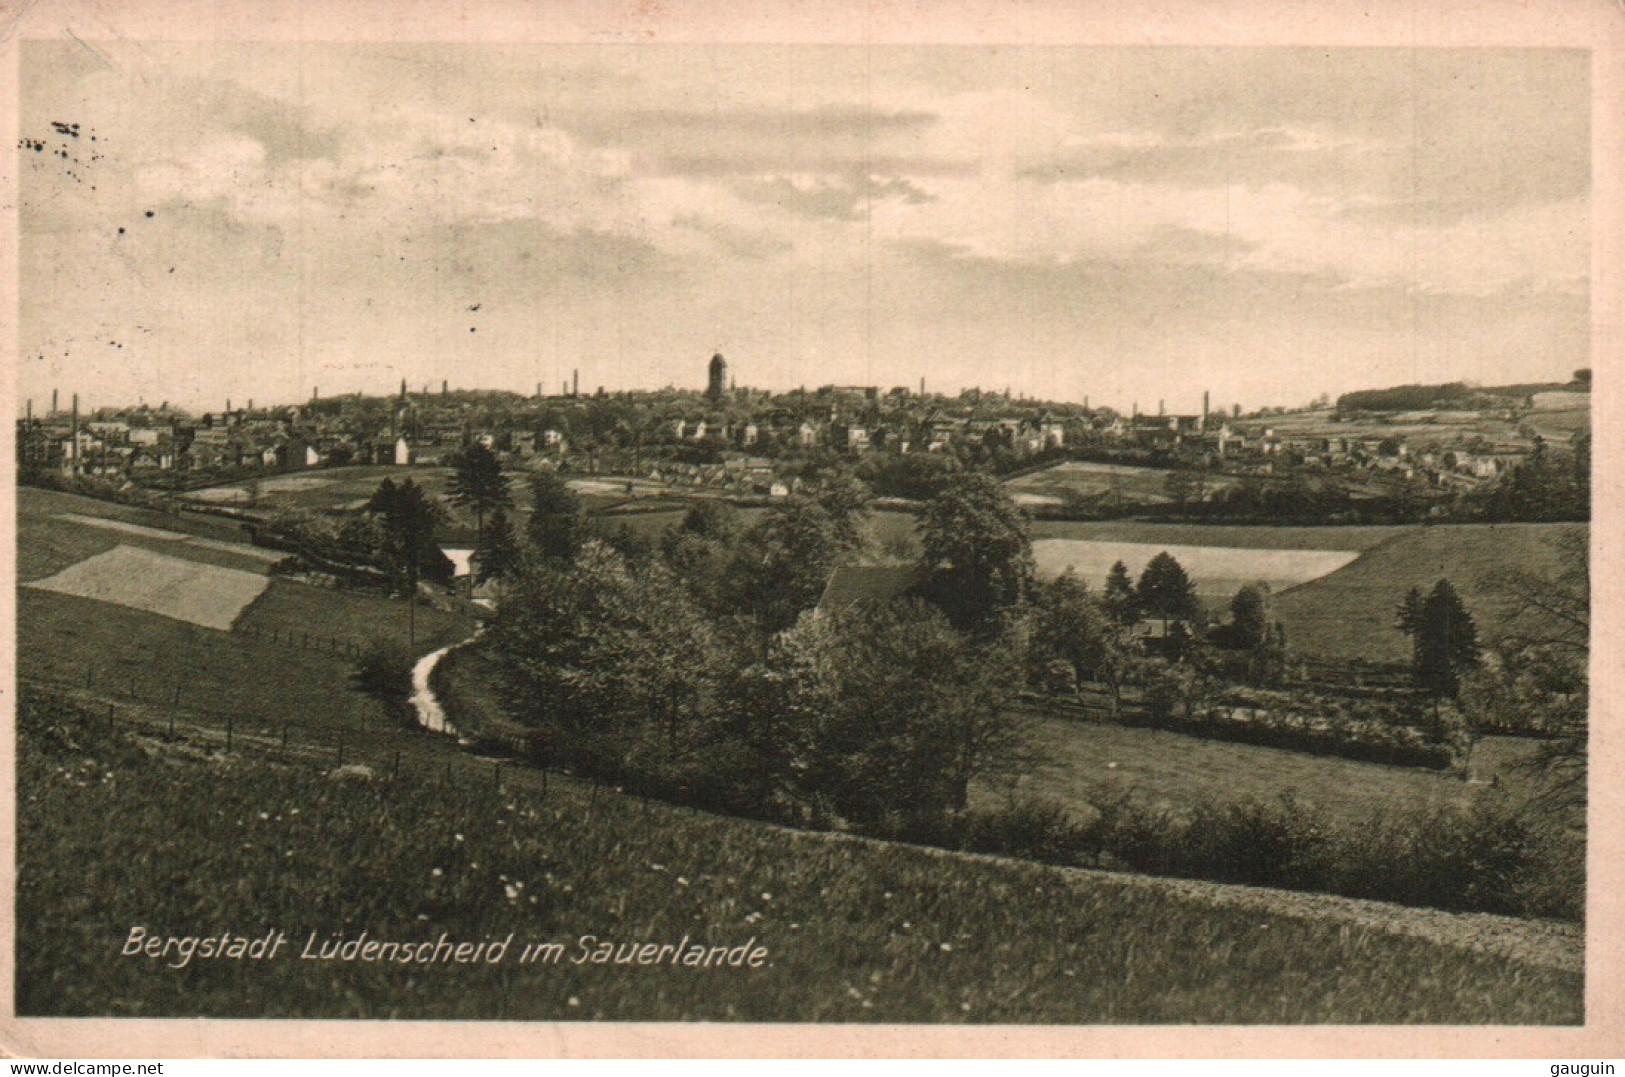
x: 405, y: 544
x: 1548, y: 486
x: 694, y: 666
x: 692, y: 660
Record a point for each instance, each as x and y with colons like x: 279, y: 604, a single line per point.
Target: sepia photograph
x: 961, y: 531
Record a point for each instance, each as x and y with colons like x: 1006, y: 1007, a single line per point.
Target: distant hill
x: 1452, y: 395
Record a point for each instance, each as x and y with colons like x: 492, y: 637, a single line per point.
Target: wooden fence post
x: 230, y: 722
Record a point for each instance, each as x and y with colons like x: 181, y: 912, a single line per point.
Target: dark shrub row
x: 1492, y: 857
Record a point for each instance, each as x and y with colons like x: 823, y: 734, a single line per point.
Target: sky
x: 1130, y: 225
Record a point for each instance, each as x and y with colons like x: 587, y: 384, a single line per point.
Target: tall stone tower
x: 718, y: 383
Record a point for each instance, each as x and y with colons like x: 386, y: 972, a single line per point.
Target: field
x: 1089, y: 762
x: 56, y: 530
x: 1347, y: 613
x: 1424, y: 428
x: 336, y: 488
x: 1350, y: 613
x: 852, y: 931
x: 200, y: 594
x: 1217, y: 571
x: 287, y: 658
x: 1241, y: 537
x: 1080, y: 478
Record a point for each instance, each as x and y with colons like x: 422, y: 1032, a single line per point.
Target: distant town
x: 1393, y: 454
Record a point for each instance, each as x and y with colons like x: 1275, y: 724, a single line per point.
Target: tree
x: 846, y: 499
x: 605, y: 666
x: 1165, y: 591
x: 892, y: 714
x: 1070, y: 626
x: 1444, y: 640
x: 409, y: 519
x: 557, y: 523
x: 1249, y: 616
x: 477, y: 485
x: 1119, y: 599
x: 1538, y: 679
x: 1408, y: 619
x: 710, y: 519
x: 976, y: 551
x: 1251, y: 629
x: 787, y: 559
x: 1184, y: 488
x: 498, y: 554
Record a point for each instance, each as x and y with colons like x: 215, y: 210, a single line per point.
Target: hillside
x: 1350, y: 613
x: 120, y: 829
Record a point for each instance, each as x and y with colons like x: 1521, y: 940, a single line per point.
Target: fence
x: 389, y: 751
x: 308, y: 641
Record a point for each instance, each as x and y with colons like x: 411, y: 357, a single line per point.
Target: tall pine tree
x: 1444, y: 640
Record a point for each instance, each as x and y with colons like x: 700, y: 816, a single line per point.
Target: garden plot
x: 1057, y: 484
x: 201, y: 594
x: 1217, y: 571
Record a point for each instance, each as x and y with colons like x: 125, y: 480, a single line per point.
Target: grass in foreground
x: 117, y: 831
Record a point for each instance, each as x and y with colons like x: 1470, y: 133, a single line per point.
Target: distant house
x: 849, y: 437
x: 403, y: 453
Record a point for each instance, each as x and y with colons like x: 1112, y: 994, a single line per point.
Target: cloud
x: 844, y: 199
x: 827, y: 122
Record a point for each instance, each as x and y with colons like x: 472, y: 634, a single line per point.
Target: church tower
x: 719, y: 378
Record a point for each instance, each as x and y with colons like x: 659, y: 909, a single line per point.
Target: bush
x: 1490, y: 858
x: 1034, y: 829
x: 1255, y: 842
x: 384, y: 672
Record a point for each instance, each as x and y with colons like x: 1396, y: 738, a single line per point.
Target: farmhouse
x: 850, y: 585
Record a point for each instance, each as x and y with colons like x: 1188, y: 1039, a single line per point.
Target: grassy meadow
x: 854, y: 931
x: 263, y: 667
x: 1086, y: 763
x: 1350, y: 613
x: 1056, y: 484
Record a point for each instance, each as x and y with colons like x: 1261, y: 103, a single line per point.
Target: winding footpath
x: 431, y: 715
